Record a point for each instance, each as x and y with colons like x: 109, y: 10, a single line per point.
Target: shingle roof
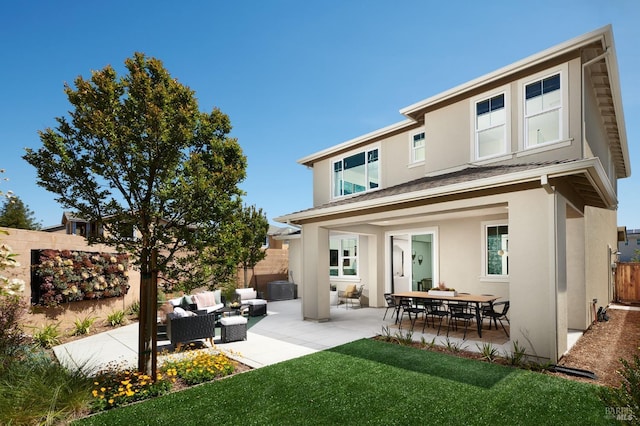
x: 467, y: 174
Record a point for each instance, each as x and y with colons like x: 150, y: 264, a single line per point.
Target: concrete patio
x: 280, y: 336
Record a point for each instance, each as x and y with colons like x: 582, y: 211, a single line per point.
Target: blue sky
x: 295, y: 77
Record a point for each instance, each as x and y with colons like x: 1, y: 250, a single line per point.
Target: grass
x: 373, y: 382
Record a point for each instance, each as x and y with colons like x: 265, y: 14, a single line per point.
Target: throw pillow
x: 179, y: 312
x: 217, y: 294
x: 350, y: 290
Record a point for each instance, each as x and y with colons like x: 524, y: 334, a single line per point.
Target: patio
x: 280, y: 336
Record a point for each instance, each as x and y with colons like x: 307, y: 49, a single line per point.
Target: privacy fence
x: 628, y: 282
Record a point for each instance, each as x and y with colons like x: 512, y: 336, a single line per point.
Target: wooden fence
x: 628, y: 282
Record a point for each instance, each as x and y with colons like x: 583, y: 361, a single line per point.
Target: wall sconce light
x: 420, y: 259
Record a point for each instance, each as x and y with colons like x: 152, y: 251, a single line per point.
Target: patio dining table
x: 476, y: 299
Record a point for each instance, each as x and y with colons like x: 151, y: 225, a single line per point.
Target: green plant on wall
x: 67, y: 276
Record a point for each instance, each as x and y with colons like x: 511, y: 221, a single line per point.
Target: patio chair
x: 499, y: 315
x: 350, y: 295
x: 459, y: 311
x: 391, y: 304
x: 412, y: 309
x: 435, y: 308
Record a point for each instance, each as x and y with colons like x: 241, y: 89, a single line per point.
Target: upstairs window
x: 543, y: 104
x: 491, y: 125
x: 356, y: 173
x: 417, y: 147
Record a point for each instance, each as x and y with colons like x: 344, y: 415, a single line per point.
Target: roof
x: 598, y: 52
x: 587, y: 177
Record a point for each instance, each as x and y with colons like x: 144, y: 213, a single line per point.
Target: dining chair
x: 499, y: 315
x: 459, y: 311
x: 412, y: 309
x: 435, y: 308
x: 391, y: 304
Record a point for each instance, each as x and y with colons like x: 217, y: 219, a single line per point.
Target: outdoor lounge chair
x: 184, y: 329
x: 350, y: 294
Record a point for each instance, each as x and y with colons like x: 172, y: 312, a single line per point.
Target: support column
x: 315, y: 259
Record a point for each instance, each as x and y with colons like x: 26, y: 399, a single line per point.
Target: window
x: 491, y: 125
x: 542, y: 111
x: 417, y: 147
x: 356, y: 173
x: 343, y: 256
x: 497, y: 250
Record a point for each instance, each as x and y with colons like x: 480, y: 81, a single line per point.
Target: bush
x: 134, y: 309
x: 83, y: 326
x: 624, y: 401
x: 47, y: 336
x: 12, y: 309
x: 38, y: 390
x: 116, y: 318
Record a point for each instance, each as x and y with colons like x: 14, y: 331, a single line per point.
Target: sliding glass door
x: 413, y: 260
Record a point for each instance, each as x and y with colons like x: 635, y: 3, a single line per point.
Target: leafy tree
x: 252, y: 233
x: 136, y: 153
x: 15, y: 214
x: 636, y: 255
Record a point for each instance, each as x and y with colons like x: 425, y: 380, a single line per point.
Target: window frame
x: 563, y: 138
x: 341, y: 257
x: 412, y: 148
x: 341, y: 160
x: 485, y: 250
x: 506, y: 146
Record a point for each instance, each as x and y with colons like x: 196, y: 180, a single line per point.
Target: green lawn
x: 373, y: 382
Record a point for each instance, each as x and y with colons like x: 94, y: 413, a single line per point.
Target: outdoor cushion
x: 181, y: 313
x: 176, y: 302
x: 205, y: 299
x: 234, y: 320
x: 246, y: 293
x: 350, y: 290
x: 256, y: 302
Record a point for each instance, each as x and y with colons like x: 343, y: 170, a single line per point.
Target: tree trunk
x: 147, y: 326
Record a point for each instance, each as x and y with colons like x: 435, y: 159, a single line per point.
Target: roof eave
x: 590, y: 166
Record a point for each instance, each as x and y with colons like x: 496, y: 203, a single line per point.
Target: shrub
x: 624, y: 401
x: 47, y: 336
x: 12, y: 309
x: 488, y: 351
x: 83, y: 326
x: 116, y: 318
x: 37, y: 390
x: 134, y: 309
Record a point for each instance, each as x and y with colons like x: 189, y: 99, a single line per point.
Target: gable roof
x: 587, y: 178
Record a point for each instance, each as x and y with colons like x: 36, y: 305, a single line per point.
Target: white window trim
x: 507, y: 125
x: 348, y: 154
x: 484, y: 276
x: 563, y: 70
x: 412, y: 159
x: 340, y: 276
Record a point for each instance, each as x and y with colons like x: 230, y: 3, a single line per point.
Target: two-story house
x: 505, y: 185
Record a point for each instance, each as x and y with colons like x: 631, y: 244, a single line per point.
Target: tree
x: 15, y: 214
x: 136, y: 153
x: 252, y: 233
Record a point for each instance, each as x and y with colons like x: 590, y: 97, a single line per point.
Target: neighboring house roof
x: 597, y: 48
x: 587, y: 177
